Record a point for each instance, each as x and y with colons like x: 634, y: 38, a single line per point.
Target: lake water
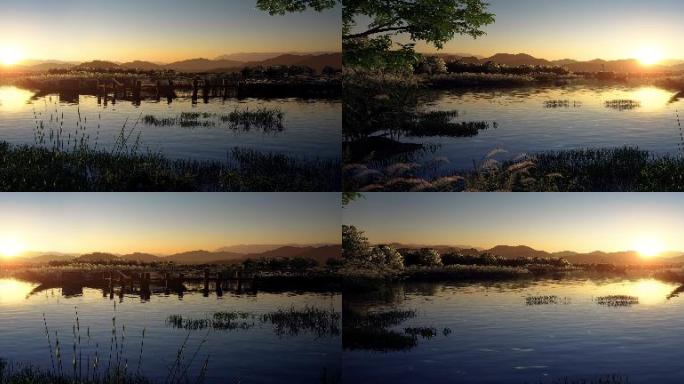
x: 312, y: 128
x: 496, y: 337
x: 525, y: 124
x: 260, y: 354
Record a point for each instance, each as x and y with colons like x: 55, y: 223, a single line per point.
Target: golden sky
x: 580, y: 29
x: 164, y: 223
x: 582, y: 222
x: 159, y: 30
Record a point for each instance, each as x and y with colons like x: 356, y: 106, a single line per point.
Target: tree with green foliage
x: 425, y: 257
x: 433, y: 21
x: 370, y: 47
x: 387, y: 256
x: 348, y: 197
x: 355, y: 246
x: 281, y: 7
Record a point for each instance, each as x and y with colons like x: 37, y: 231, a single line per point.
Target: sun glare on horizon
x: 10, y: 248
x: 648, y: 247
x: 649, y: 56
x: 10, y: 56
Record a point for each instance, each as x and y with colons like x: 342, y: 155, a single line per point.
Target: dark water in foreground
x: 527, y: 124
x: 312, y: 128
x: 494, y: 336
x: 260, y: 354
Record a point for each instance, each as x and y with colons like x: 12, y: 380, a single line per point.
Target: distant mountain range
x: 233, y: 62
x: 597, y: 65
x: 596, y: 257
x: 226, y: 255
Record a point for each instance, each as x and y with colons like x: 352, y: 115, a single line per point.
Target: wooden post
x: 205, y: 90
x: 219, y: 284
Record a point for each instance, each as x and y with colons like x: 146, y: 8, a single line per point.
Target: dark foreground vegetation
x: 610, y: 170
x: 33, y: 168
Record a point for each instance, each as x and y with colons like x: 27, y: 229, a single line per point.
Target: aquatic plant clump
x: 264, y: 119
x: 424, y: 332
x: 439, y: 123
x: 219, y: 321
x: 289, y: 322
x: 623, y: 104
x: 562, y: 104
x: 546, y: 300
x: 373, y: 331
x: 617, y: 300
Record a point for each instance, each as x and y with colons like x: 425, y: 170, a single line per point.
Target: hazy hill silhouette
x: 512, y: 252
x: 202, y: 65
x: 516, y: 60
x: 597, y: 65
x: 142, y: 65
x: 520, y: 251
x: 98, y: 64
x: 97, y: 257
x: 261, y: 56
x: 320, y: 253
x: 141, y: 257
x: 315, y: 61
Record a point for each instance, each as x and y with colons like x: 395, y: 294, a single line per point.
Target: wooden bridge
x: 136, y: 88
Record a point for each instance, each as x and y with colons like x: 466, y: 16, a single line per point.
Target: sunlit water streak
x: 525, y: 125
x: 256, y: 355
x: 312, y: 127
x: 495, y: 337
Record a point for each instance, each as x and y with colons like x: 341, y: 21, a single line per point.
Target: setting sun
x: 10, y: 248
x: 10, y: 56
x: 649, y: 56
x: 648, y: 247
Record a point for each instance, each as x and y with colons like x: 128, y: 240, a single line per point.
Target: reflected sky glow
x: 13, y: 99
x: 13, y: 291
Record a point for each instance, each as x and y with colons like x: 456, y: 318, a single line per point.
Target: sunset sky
x: 580, y: 29
x: 553, y: 222
x: 165, y: 223
x: 158, y: 30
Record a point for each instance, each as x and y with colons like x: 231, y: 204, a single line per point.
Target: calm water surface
x: 526, y: 125
x: 255, y: 355
x: 497, y: 338
x: 312, y: 128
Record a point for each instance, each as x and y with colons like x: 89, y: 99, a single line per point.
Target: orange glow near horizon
x: 648, y: 247
x: 162, y: 224
x: 10, y: 56
x: 10, y: 247
x: 649, y: 56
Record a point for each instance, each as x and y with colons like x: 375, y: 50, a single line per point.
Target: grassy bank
x: 37, y: 168
x: 589, y: 170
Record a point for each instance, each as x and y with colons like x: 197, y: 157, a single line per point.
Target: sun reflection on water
x: 649, y: 291
x: 13, y: 98
x: 14, y: 291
